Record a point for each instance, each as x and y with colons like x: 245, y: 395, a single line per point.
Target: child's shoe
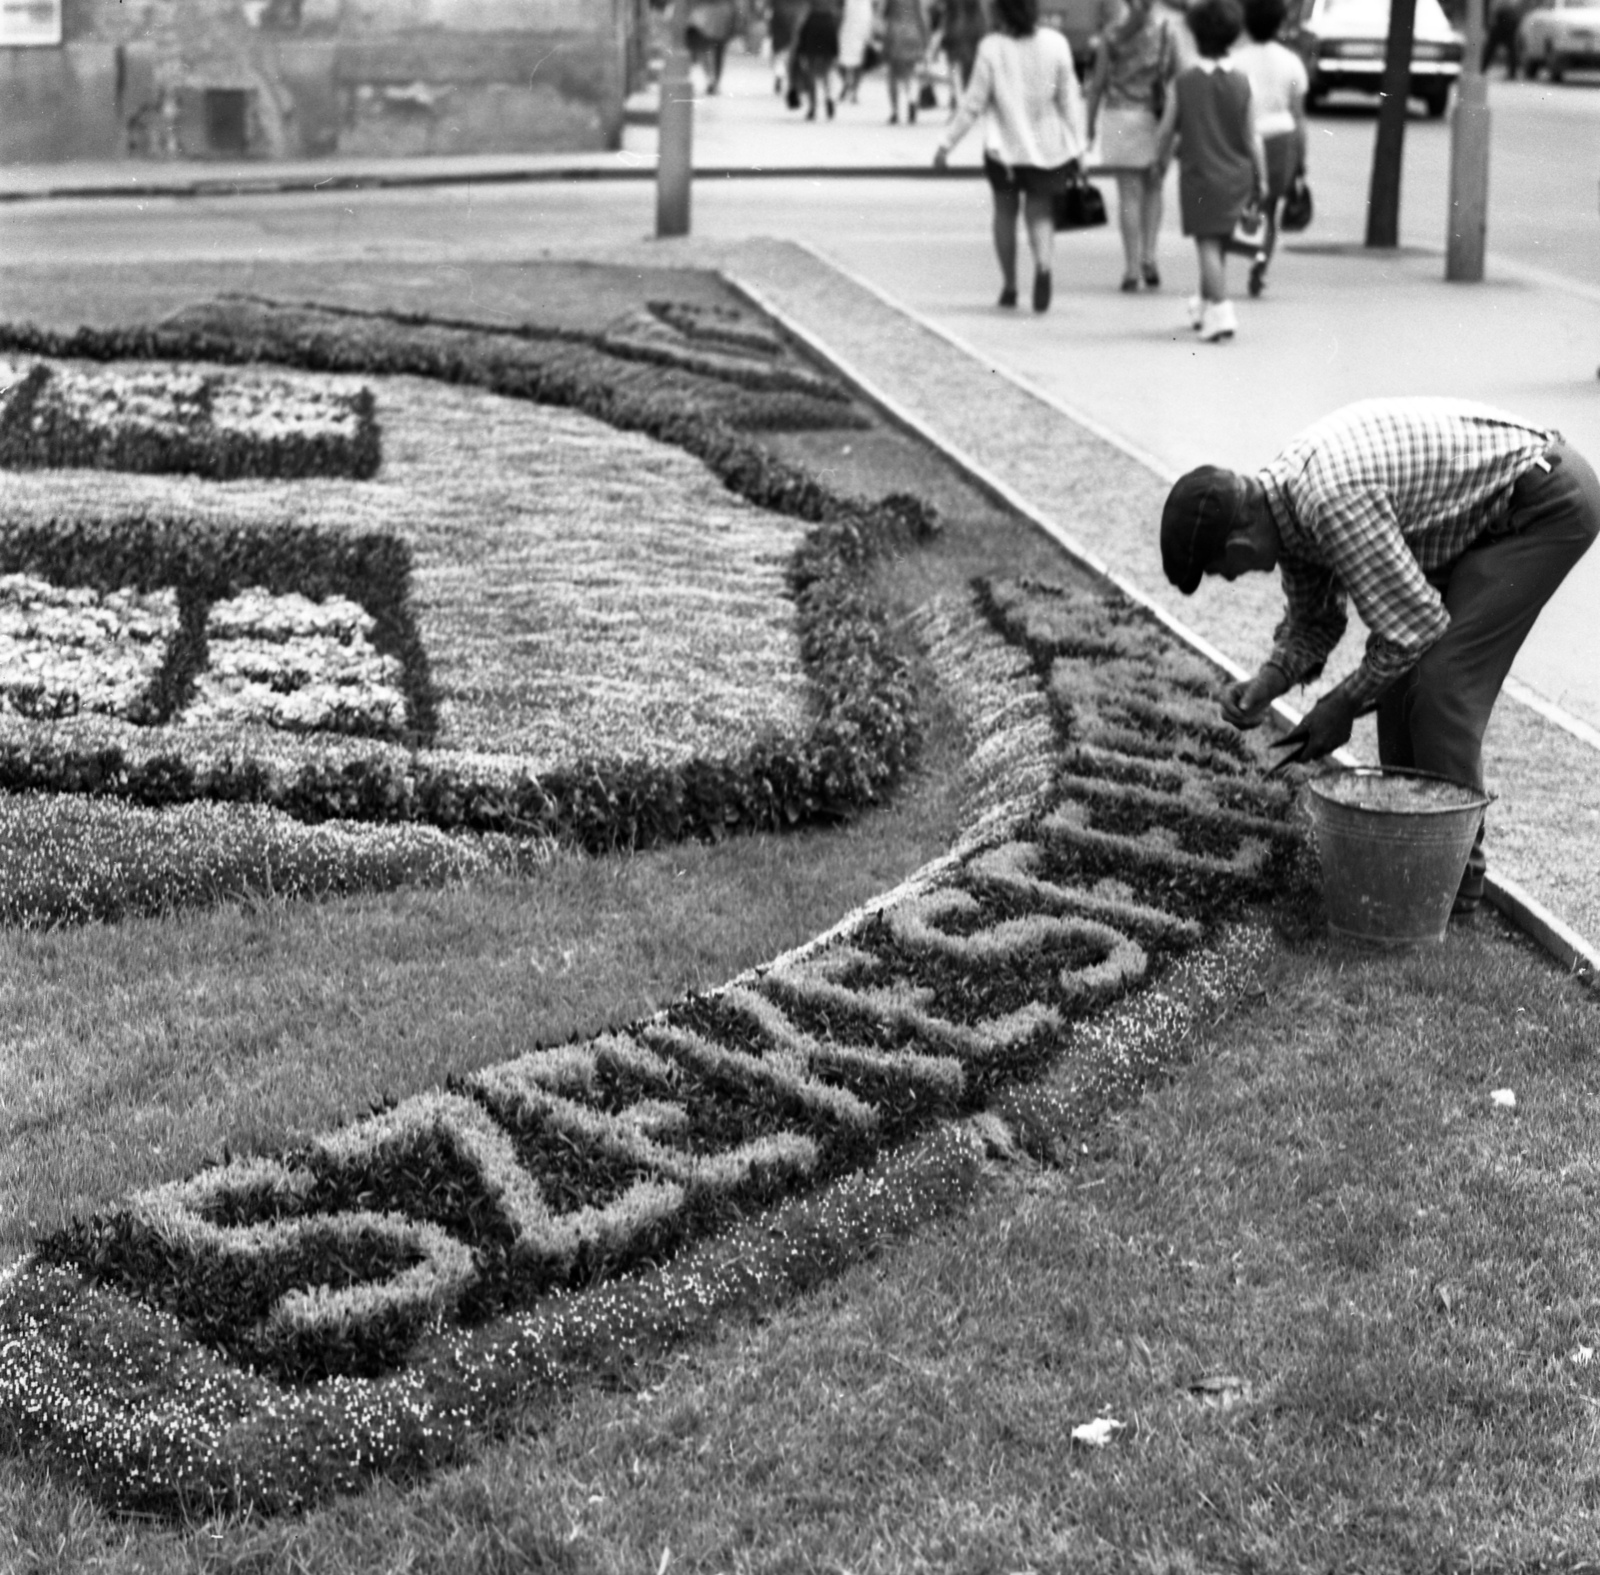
x: 1217, y: 321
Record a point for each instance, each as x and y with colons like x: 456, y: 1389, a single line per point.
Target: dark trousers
x: 1434, y: 718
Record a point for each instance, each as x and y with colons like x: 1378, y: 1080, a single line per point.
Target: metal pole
x: 1469, y: 159
x: 675, y: 131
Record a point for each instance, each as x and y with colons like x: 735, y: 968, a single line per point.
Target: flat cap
x: 1200, y: 514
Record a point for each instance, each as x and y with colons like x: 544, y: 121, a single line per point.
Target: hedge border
x: 868, y: 727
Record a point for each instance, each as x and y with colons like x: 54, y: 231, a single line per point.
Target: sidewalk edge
x: 1557, y: 938
x: 280, y: 185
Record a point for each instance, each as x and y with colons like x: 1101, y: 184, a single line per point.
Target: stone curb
x: 270, y: 185
x: 1551, y: 932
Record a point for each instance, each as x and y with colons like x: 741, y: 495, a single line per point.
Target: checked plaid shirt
x: 1369, y: 502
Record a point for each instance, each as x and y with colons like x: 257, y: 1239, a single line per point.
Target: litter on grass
x: 1222, y: 1391
x: 1098, y: 1433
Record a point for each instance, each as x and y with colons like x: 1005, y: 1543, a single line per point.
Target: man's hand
x: 1245, y: 704
x: 1328, y: 725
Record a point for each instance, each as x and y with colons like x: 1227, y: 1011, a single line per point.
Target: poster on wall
x: 24, y: 22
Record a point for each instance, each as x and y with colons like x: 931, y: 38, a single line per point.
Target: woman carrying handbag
x: 1024, y: 87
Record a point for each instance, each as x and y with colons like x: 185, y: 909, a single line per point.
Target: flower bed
x: 290, y: 662
x: 207, y: 424
x: 800, y: 708
x: 260, y: 1333
x: 66, y: 650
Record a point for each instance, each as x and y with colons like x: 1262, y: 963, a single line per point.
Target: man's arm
x: 1360, y: 534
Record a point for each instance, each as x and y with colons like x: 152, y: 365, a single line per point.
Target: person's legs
x: 1130, y: 200
x: 1258, y: 268
x: 1434, y: 719
x: 1150, y: 202
x: 1038, y: 214
x: 1213, y: 268
x: 1005, y: 243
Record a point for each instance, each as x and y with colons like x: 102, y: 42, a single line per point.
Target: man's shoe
x: 1218, y: 322
x: 1041, y: 292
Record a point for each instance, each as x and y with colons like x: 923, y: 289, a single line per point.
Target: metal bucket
x: 1393, y: 846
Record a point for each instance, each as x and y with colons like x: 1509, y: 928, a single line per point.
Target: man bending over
x: 1447, y: 523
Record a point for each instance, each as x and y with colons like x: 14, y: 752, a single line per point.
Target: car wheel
x: 1530, y: 68
x: 1554, y: 66
x: 1436, y: 99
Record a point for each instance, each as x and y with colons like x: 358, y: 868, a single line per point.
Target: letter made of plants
x: 165, y: 418
x: 278, y: 1327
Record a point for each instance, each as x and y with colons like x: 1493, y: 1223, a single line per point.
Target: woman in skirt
x: 1024, y: 87
x: 1139, y: 57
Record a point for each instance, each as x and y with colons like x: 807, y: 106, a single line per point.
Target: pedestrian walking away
x: 811, y: 61
x: 783, y: 28
x: 1134, y: 69
x: 711, y: 24
x: 1278, y: 84
x: 905, y: 47
x: 1500, y: 36
x: 961, y: 25
x: 855, y: 34
x: 1025, y: 88
x: 1222, y: 167
x: 1448, y: 524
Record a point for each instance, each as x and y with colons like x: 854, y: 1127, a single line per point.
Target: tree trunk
x: 1388, y: 153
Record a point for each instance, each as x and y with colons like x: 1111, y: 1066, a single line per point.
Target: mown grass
x: 1325, y: 1207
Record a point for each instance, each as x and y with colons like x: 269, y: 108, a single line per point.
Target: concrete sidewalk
x: 1084, y: 415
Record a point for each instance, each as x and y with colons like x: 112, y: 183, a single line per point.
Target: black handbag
x: 1297, y: 205
x: 1078, y: 206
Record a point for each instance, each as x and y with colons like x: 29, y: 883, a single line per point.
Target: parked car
x: 1343, y: 41
x: 1557, y: 36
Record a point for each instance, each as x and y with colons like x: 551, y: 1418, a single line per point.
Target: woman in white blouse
x: 1024, y: 87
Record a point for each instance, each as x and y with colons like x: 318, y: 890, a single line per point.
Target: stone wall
x: 164, y: 79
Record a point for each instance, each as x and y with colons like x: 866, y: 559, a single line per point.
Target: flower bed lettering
x: 258, y: 1335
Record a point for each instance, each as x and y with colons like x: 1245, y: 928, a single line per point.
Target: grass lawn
x: 1341, y: 1301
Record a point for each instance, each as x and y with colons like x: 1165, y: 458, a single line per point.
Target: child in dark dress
x: 1222, y: 167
